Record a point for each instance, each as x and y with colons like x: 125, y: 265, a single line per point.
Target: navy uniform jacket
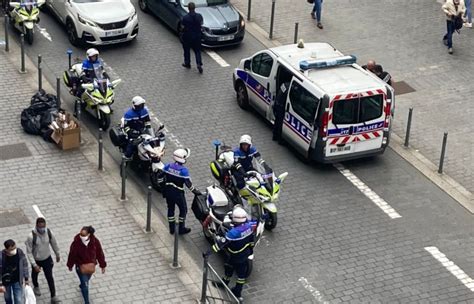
x: 238, y: 242
x: 88, y: 67
x: 192, y: 28
x: 136, y: 120
x: 176, y: 176
x: 244, y: 159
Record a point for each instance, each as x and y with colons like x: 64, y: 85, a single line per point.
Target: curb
x: 190, y: 273
x: 413, y: 157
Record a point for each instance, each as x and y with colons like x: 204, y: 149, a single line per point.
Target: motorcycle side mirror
x: 88, y: 86
x: 15, y: 4
x: 40, y: 2
x: 282, y: 176
x: 253, y: 183
x: 116, y: 82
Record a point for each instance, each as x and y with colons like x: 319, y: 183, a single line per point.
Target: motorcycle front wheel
x: 271, y: 221
x: 29, y: 36
x: 104, y: 121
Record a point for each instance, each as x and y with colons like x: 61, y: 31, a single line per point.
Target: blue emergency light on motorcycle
x: 325, y: 63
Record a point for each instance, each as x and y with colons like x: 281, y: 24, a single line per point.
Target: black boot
x: 183, y: 229
x: 172, y: 227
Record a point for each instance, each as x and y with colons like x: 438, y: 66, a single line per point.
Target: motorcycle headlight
x: 85, y: 21
x: 132, y: 16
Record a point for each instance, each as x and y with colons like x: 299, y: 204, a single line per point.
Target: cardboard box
x: 67, y: 138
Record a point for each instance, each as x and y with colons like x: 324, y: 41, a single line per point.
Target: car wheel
x: 143, y: 6
x: 72, y: 34
x: 242, y: 96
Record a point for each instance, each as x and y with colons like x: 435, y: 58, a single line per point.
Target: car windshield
x: 204, y: 2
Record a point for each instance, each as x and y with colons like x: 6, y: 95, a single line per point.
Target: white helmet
x: 239, y: 215
x: 245, y: 139
x: 137, y: 101
x: 92, y: 52
x: 180, y: 155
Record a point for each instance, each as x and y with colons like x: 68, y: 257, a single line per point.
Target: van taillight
x: 323, y: 131
x: 388, y: 113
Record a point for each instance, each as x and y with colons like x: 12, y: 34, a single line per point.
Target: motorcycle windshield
x: 102, y: 87
x: 267, y: 175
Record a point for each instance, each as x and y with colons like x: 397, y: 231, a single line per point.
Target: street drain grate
x: 12, y: 217
x: 14, y: 151
x: 401, y: 87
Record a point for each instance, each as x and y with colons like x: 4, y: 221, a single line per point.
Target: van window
x: 359, y: 110
x: 262, y: 64
x: 303, y: 102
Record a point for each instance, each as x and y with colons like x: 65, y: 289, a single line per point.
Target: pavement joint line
x: 451, y: 267
x: 314, y: 292
x: 44, y: 32
x: 217, y: 58
x: 369, y: 193
x: 38, y: 211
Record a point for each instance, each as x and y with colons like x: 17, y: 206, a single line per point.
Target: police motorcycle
x: 95, y: 97
x: 213, y: 209
x: 262, y: 186
x: 24, y: 16
x: 149, y: 153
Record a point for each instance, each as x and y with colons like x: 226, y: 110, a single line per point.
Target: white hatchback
x: 96, y: 22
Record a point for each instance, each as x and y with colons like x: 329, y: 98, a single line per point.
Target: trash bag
x: 30, y: 122
x: 42, y: 96
x: 48, y: 117
x: 29, y: 295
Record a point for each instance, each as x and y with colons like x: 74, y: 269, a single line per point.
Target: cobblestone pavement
x: 405, y: 37
x: 332, y: 243
x: 70, y: 193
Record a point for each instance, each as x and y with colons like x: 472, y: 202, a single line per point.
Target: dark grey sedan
x: 222, y: 25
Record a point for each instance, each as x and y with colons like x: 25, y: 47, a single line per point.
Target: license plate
x: 113, y: 33
x: 340, y: 149
x: 225, y: 38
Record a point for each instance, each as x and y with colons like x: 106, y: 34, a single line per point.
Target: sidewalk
x: 71, y: 193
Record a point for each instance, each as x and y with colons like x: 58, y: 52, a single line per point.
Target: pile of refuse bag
x: 42, y: 112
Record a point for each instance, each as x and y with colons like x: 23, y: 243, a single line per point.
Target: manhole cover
x: 401, y: 87
x: 12, y: 217
x: 14, y: 151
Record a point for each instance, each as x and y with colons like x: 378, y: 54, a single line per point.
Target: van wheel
x: 242, y: 96
x: 143, y: 6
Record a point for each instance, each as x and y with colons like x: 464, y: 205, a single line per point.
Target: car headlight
x: 205, y: 29
x: 132, y: 16
x: 242, y: 22
x: 85, y: 21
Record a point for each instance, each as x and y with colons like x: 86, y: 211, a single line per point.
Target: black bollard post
x: 58, y: 91
x: 249, y: 10
x: 22, y: 46
x: 407, y: 135
x: 217, y: 143
x: 148, y: 211
x: 205, y: 271
x: 7, y: 42
x: 40, y: 73
x: 295, y: 39
x: 443, y: 152
x: 272, y: 18
x: 77, y: 109
x: 123, y: 170
x: 101, y: 148
x: 175, y: 251
x: 69, y: 55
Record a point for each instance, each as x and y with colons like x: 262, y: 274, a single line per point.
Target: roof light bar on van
x: 318, y: 64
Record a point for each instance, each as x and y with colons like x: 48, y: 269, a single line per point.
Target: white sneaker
x: 468, y: 25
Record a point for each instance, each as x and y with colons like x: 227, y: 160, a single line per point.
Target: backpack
x: 35, y: 237
x: 458, y: 22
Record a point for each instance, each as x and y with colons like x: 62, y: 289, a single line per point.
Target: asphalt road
x: 333, y: 243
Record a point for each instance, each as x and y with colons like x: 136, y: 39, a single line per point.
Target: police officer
x: 279, y: 111
x: 191, y: 36
x: 176, y: 176
x: 90, y: 65
x: 385, y: 76
x: 239, y: 243
x: 243, y: 157
x: 135, y: 122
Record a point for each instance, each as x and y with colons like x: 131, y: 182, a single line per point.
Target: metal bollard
x: 7, y: 42
x: 443, y: 152
x: 69, y: 57
x: 407, y: 135
x: 272, y: 18
x: 175, y: 251
x: 295, y: 39
x: 123, y: 170
x: 148, y: 211
x: 40, y: 73
x: 22, y: 46
x: 58, y: 91
x: 101, y: 148
x: 249, y: 10
x: 217, y: 143
x: 205, y: 271
x: 77, y: 109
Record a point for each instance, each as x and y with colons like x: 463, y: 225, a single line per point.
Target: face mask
x: 41, y: 230
x: 13, y: 252
x: 84, y: 238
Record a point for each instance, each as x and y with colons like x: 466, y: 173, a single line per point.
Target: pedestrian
x: 176, y: 175
x: 39, y: 255
x: 468, y: 14
x: 191, y: 36
x: 385, y: 76
x: 279, y: 111
x: 454, y: 10
x: 84, y: 254
x: 371, y: 66
x: 317, y: 9
x: 14, y: 273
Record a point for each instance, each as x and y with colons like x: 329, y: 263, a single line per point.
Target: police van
x: 334, y: 110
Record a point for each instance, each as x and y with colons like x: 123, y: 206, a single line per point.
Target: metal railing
x: 214, y: 290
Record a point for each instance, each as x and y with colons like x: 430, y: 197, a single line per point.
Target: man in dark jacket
x: 279, y: 110
x: 191, y: 36
x: 14, y: 272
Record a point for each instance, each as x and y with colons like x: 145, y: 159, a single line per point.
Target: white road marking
x: 451, y: 267
x: 217, y: 58
x: 316, y: 294
x: 380, y: 202
x: 38, y: 211
x: 44, y: 33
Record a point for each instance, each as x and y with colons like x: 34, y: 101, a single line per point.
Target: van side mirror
x: 247, y: 64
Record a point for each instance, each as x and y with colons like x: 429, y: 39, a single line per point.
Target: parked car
x: 222, y: 25
x: 96, y: 22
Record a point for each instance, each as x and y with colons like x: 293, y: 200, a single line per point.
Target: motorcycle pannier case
x: 199, y: 207
x: 117, y: 136
x: 70, y: 79
x: 218, y: 169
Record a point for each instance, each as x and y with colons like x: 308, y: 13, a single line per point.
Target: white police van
x: 335, y: 110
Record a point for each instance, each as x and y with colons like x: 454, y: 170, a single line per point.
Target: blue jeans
x: 84, y: 279
x: 318, y: 7
x: 468, y: 10
x: 14, y: 294
x: 449, y: 34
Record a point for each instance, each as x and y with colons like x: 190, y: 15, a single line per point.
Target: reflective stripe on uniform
x: 240, y: 250
x: 171, y: 219
x: 172, y: 184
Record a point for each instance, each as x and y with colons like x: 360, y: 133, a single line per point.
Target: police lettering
x: 297, y: 125
x: 369, y: 127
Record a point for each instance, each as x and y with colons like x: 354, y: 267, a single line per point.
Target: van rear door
x: 356, y: 123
